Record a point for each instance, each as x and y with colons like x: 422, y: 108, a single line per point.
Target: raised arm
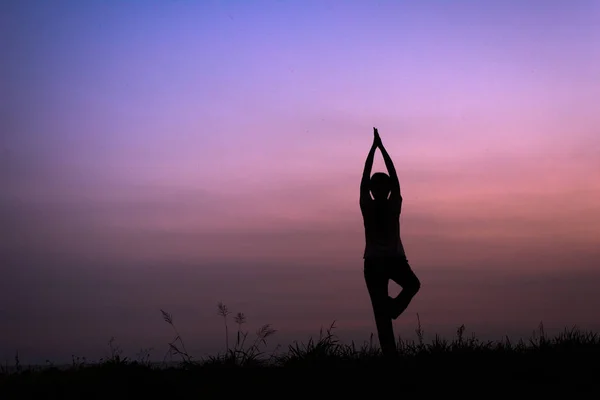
x: 366, y: 177
x: 395, y: 190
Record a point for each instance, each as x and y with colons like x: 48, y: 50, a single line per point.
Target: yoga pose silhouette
x: 384, y: 254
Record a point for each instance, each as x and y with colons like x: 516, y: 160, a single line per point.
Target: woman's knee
x: 414, y: 286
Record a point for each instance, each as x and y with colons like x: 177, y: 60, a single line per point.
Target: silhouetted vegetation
x: 567, y: 361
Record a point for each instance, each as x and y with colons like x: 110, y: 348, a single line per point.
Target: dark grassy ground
x: 565, y: 364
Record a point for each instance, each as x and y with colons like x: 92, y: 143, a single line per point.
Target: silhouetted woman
x: 384, y: 254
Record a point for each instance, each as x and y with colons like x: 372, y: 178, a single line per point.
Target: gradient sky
x: 173, y: 154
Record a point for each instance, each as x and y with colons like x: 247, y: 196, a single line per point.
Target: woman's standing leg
x: 377, y: 285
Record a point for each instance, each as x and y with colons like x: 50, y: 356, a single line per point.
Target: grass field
x: 323, y: 367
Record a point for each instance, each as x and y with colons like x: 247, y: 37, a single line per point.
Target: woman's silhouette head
x: 380, y: 185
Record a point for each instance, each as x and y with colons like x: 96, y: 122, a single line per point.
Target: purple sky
x: 173, y: 154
